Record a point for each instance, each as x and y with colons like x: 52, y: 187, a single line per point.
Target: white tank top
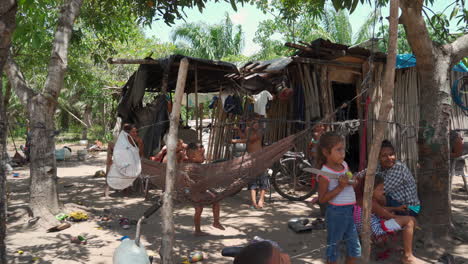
x: 347, y: 195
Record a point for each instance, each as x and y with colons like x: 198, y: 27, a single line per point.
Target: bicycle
x: 290, y: 181
x: 288, y: 178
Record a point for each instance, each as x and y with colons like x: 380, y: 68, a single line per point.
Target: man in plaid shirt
x: 399, y: 183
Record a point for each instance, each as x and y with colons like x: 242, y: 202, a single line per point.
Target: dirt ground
x: 80, y: 190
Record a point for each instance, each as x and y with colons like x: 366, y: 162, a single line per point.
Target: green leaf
x: 233, y: 4
x: 337, y: 4
x: 355, y: 3
x: 36, y: 41
x: 454, y: 12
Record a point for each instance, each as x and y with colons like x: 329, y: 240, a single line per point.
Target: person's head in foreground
x: 387, y: 155
x: 261, y: 253
x: 196, y: 153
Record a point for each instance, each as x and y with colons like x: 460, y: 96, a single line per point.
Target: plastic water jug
x: 129, y: 252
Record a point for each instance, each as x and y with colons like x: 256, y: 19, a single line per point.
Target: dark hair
x: 256, y: 253
x: 387, y: 144
x: 361, y: 180
x: 127, y: 127
x: 453, y: 135
x: 252, y: 115
x: 194, y: 146
x: 327, y: 141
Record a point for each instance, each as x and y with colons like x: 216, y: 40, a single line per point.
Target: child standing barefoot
x: 339, y: 195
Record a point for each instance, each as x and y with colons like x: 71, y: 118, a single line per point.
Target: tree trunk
x: 87, y: 120
x: 44, y: 200
x: 386, y: 104
x: 434, y: 154
x: 433, y: 63
x: 8, y: 10
x: 169, y: 192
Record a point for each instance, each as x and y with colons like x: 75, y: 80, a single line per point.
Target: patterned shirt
x: 375, y: 222
x: 400, y: 184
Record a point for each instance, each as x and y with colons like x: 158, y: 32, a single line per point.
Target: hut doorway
x: 345, y: 92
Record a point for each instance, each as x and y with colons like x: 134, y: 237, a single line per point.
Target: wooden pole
x: 197, y: 112
x: 200, y: 112
x: 385, y: 107
x: 165, y: 79
x: 187, y: 109
x: 169, y: 192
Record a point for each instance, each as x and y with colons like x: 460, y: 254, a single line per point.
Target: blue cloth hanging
x: 409, y: 60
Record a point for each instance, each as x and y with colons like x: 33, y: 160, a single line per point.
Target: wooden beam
x: 385, y: 108
x: 131, y: 61
x: 327, y: 62
x: 169, y: 193
x: 299, y: 47
x: 146, y: 61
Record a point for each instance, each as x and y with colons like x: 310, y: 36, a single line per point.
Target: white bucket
x: 84, y: 142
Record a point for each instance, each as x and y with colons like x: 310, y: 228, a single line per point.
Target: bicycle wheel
x: 291, y: 182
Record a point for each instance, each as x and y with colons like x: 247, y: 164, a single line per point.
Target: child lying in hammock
x: 383, y: 220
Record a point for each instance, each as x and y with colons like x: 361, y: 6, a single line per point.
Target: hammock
x: 204, y: 184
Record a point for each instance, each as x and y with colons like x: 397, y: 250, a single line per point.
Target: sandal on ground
x: 318, y: 224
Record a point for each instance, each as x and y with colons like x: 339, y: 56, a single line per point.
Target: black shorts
x: 262, y: 182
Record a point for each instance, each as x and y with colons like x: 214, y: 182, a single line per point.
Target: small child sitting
x: 384, y: 221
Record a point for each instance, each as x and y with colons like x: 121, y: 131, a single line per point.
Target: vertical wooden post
x: 385, y: 107
x: 200, y: 112
x: 187, y: 108
x: 324, y: 89
x: 197, y: 111
x: 169, y: 192
x: 165, y: 79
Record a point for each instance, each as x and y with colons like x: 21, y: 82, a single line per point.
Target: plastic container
x: 62, y: 154
x: 83, y: 142
x: 129, y: 253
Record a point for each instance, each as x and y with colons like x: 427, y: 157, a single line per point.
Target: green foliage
x: 214, y: 42
x: 403, y: 45
x: 307, y: 26
x: 102, y: 30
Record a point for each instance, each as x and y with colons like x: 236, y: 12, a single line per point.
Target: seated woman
x: 383, y: 219
x: 399, y: 183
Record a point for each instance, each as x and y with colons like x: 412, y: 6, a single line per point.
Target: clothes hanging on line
x: 233, y: 105
x: 261, y: 101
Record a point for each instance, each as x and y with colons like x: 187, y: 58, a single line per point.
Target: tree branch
x: 417, y: 33
x: 59, y: 57
x: 459, y: 49
x: 16, y: 78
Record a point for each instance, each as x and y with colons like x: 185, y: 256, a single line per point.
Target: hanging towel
x: 261, y: 101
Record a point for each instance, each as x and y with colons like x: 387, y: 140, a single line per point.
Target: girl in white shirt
x: 339, y: 195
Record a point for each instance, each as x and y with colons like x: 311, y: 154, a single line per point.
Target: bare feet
x: 200, y: 233
x: 410, y: 260
x: 219, y: 226
x: 261, y: 203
